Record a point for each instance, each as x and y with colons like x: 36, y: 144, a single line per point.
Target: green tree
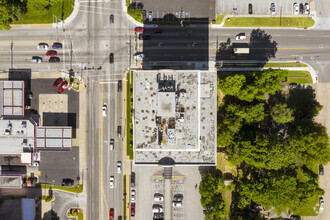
x: 281, y: 113
x: 4, y: 15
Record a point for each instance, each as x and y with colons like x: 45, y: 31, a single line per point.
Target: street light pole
x: 12, y: 53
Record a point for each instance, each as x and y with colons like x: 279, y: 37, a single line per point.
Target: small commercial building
x: 12, y: 181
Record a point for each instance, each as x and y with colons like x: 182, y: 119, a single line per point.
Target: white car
x: 112, y: 182
x: 321, y: 204
x: 138, y: 56
x: 306, y: 8
x: 43, y: 46
x: 272, y: 8
x: 177, y: 204
x: 104, y: 110
x: 158, y: 197
x: 157, y: 209
x: 36, y: 59
x: 133, y: 195
x: 150, y: 16
x: 241, y: 36
x: 295, y: 9
x: 119, y: 167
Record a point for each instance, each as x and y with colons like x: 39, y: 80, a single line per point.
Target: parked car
x: 241, y: 36
x: 43, y: 46
x: 295, y: 8
x: 139, y: 29
x: 157, y: 208
x: 138, y: 56
x: 301, y: 8
x: 54, y: 59
x: 104, y: 110
x: 111, y: 144
x: 178, y: 198
x: 321, y: 208
x: 111, y: 58
x: 177, y: 204
x: 157, y: 30
x: 250, y: 9
x: 112, y: 182
x: 133, y: 209
x: 120, y: 85
x: 272, y: 8
x: 119, y: 131
x: 150, y: 16
x: 321, y: 170
x: 57, y: 45
x: 133, y: 195
x: 36, y: 59
x: 63, y: 86
x: 133, y: 179
x: 306, y: 8
x: 111, y: 213
x: 57, y: 82
x: 144, y: 37
x: 51, y: 53
x: 111, y: 19
x: 144, y: 15
x: 67, y: 182
x: 158, y: 197
x: 119, y: 167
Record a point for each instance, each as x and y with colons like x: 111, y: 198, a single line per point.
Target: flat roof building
x: 53, y: 138
x: 11, y: 98
x: 174, y: 117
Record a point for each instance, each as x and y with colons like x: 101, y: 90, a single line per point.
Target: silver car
x: 112, y: 182
x: 119, y: 167
x: 321, y: 204
x: 150, y: 16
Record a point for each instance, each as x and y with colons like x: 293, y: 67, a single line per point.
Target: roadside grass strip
x: 218, y: 19
x: 74, y: 189
x: 269, y: 22
x: 300, y: 77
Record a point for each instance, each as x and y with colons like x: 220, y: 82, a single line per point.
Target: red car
x: 157, y: 30
x: 139, y: 30
x: 51, y: 53
x: 62, y: 87
x: 133, y: 209
x: 57, y: 82
x: 111, y: 213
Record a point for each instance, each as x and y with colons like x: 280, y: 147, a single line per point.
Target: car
x: 36, y: 59
x: 295, y: 217
x: 157, y: 208
x: 42, y: 46
x: 321, y: 208
x: 51, y: 53
x: 178, y: 198
x: 120, y: 85
x: 119, y: 167
x: 62, y: 87
x: 111, y: 213
x: 158, y: 197
x: 150, y: 16
x: 133, y: 195
x: 158, y: 216
x: 133, y: 179
x: 111, y: 58
x: 177, y: 204
x: 111, y: 19
x: 306, y: 8
x: 321, y: 170
x: 250, y: 9
x: 57, y: 82
x: 272, y: 8
x: 30, y: 95
x: 295, y: 8
x: 241, y: 36
x: 139, y: 29
x: 54, y: 59
x: 144, y: 37
x: 104, y: 110
x: 67, y: 182
x: 301, y: 8
x: 112, y: 182
x: 138, y: 56
x: 57, y: 45
x: 119, y: 131
x: 157, y: 31
x: 111, y: 144
x: 120, y: 217
x: 133, y: 209
x: 144, y: 15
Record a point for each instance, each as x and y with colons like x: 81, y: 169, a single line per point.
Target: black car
x: 111, y: 18
x: 144, y: 37
x: 321, y: 170
x: 57, y: 45
x: 301, y: 8
x: 250, y: 9
x: 144, y: 15
x: 54, y: 59
x: 120, y: 85
x: 67, y: 182
x: 133, y: 179
x: 119, y: 131
x: 120, y: 218
x: 111, y: 58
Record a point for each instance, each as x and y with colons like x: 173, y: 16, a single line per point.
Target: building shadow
x: 61, y: 119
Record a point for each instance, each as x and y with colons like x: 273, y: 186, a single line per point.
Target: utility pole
x: 12, y: 54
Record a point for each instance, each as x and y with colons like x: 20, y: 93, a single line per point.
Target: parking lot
x: 240, y: 7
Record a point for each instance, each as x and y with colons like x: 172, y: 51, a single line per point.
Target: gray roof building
x: 11, y: 98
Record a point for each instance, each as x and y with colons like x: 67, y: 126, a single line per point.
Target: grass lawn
x: 46, y: 198
x: 311, y: 208
x: 301, y: 77
x: 62, y: 10
x: 269, y: 22
x: 292, y: 64
x: 219, y: 19
x: 129, y: 125
x: 81, y: 216
x: 74, y: 189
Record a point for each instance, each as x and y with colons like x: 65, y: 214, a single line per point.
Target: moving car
x: 150, y: 16
x: 158, y: 197
x: 158, y: 216
x: 133, y: 209
x: 272, y: 8
x: 321, y: 208
x: 57, y: 82
x: 120, y: 85
x: 43, y: 46
x: 112, y: 182
x: 301, y: 8
x: 51, y: 53
x: 54, y: 59
x: 306, y: 8
x: 67, y: 182
x: 157, y: 208
x: 133, y: 179
x: 295, y: 8
x: 36, y: 59
x: 119, y: 131
x: 111, y: 58
x: 111, y: 213
x: 178, y: 198
x: 133, y: 195
x: 321, y: 170
x: 241, y: 36
x: 62, y: 87
x: 177, y: 204
x: 139, y: 29
x: 119, y: 167
x: 111, y: 144
x: 57, y: 45
x: 111, y: 19
x: 250, y: 9
x: 104, y: 110
x: 157, y: 31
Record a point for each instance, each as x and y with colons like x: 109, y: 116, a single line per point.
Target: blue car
x: 57, y: 45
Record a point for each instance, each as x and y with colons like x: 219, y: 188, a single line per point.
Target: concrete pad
x: 56, y: 103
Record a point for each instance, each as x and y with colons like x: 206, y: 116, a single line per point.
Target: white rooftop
x: 11, y: 98
x: 53, y: 138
